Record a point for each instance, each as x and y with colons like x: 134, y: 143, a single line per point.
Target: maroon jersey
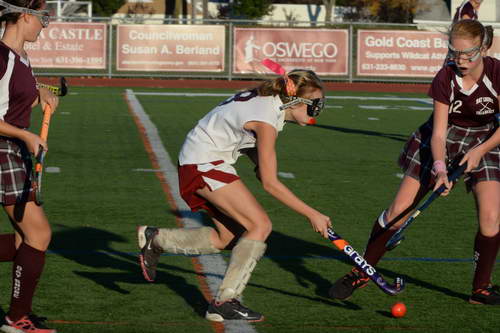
x: 17, y: 88
x: 477, y: 106
x: 465, y: 9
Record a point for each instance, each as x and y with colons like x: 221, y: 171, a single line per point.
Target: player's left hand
x: 442, y: 179
x: 48, y: 98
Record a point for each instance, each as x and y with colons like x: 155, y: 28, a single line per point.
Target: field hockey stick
x: 40, y: 156
x: 398, y: 237
x: 361, y: 264
x: 60, y: 90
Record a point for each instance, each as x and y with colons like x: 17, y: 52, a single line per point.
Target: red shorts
x: 193, y: 177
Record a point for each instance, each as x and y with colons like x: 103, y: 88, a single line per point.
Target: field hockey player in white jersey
x: 247, y: 123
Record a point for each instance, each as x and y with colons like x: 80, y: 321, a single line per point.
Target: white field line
x: 148, y: 170
x: 52, y: 169
x: 214, y: 266
x: 288, y: 175
x: 362, y: 98
x: 373, y: 107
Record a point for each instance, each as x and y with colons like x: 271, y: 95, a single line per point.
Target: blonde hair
x: 305, y: 82
x: 472, y: 29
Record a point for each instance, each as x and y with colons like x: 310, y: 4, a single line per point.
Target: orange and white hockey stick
x: 40, y: 156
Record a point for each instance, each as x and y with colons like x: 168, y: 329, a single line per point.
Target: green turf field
x: 345, y: 166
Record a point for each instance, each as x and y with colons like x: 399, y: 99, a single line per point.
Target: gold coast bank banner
x: 323, y: 51
x: 400, y: 53
x: 69, y: 45
x: 170, y: 48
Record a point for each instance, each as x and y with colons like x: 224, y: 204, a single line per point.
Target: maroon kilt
x: 416, y: 158
x: 15, y: 171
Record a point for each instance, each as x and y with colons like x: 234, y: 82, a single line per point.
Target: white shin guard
x: 186, y: 241
x: 244, y: 257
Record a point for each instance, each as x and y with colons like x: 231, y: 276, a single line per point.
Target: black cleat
x: 231, y: 310
x: 344, y: 287
x: 150, y: 254
x: 488, y: 296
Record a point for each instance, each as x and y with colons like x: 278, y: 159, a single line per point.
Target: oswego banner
x: 321, y: 50
x: 197, y: 48
x: 69, y: 45
x: 400, y: 53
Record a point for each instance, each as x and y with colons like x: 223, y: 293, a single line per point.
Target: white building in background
x: 70, y: 8
x: 153, y: 11
x: 431, y: 10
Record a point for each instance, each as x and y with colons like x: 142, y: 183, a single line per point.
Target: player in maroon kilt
x: 463, y: 127
x: 24, y: 19
x: 467, y: 10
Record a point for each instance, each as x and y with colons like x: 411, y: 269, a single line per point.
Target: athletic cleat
x: 488, y: 296
x: 27, y: 324
x: 231, y: 310
x: 150, y: 254
x: 345, y: 286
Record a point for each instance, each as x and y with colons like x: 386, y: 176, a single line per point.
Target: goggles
x: 314, y: 106
x: 42, y: 15
x: 470, y: 54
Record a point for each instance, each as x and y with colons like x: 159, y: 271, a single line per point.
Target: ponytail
x: 305, y: 81
x: 488, y: 37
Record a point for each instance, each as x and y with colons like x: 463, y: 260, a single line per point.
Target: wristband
x: 438, y: 166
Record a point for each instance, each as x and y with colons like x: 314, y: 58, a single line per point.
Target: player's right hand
x: 320, y: 223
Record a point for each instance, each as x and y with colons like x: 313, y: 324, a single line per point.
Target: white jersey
x: 220, y: 134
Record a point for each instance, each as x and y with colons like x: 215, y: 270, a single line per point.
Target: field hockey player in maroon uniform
x: 23, y: 19
x: 463, y: 128
x: 467, y: 10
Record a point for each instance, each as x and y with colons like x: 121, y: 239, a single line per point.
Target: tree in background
x: 396, y: 11
x: 393, y: 11
x: 104, y: 8
x: 138, y: 12
x: 246, y: 9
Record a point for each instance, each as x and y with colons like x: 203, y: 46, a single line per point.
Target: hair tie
x: 290, y: 87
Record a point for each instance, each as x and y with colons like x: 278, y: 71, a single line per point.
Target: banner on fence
x: 69, y: 45
x: 182, y: 48
x: 323, y: 51
x: 400, y: 53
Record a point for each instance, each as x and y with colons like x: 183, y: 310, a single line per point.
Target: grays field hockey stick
x: 40, y: 156
x: 398, y: 237
x: 60, y: 90
x: 361, y: 264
